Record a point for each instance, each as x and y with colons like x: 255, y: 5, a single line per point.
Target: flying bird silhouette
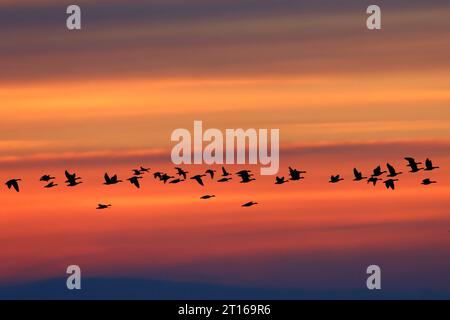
x: 50, y: 185
x: 198, y: 178
x: 71, y: 176
x: 358, y: 175
x: 246, y: 176
x: 377, y: 172
x: 295, y: 174
x: 176, y: 181
x: 72, y: 179
x: 13, y: 183
x: 427, y: 181
x: 111, y: 180
x: 249, y: 204
x: 157, y: 175
x: 413, y: 164
x: 392, y: 172
x: 181, y: 172
x: 281, y: 180
x: 142, y: 169
x: 335, y: 179
x: 103, y: 206
x: 46, y: 178
x: 211, y: 173
x: 136, y: 172
x: 429, y: 165
x: 165, y: 177
x: 207, y: 196
x: 389, y: 183
x: 135, y: 181
x: 373, y: 180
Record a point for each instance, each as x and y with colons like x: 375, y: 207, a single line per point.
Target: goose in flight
x: 181, y: 172
x: 176, y: 181
x: 135, y: 181
x: 50, y: 185
x: 157, y: 175
x: 427, y: 181
x: 46, y: 178
x: 72, y: 179
x: 198, y: 178
x: 377, y: 172
x: 111, y: 180
x: 246, y: 176
x: 165, y: 177
x: 142, y: 169
x: 224, y: 179
x: 373, y: 180
x: 358, y: 175
x: 249, y: 204
x: 295, y: 174
x: 211, y: 173
x: 225, y: 173
x: 413, y: 164
x: 103, y: 206
x: 429, y: 165
x: 281, y: 180
x: 207, y: 196
x: 13, y: 183
x: 136, y: 172
x: 392, y: 172
x: 389, y: 183
x: 335, y: 179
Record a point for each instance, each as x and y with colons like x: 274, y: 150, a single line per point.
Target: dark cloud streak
x: 173, y: 38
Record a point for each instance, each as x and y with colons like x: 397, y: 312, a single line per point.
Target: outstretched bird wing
x: 412, y: 161
x: 15, y: 185
x: 107, y: 178
x: 390, y: 168
x: 377, y: 170
x: 210, y: 172
x: 69, y: 176
x: 199, y: 180
x: 224, y: 171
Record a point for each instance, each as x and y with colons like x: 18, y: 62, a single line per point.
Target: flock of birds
x: 390, y: 183
x: 245, y: 176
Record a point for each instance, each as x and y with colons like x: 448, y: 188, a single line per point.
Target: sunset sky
x: 107, y: 98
